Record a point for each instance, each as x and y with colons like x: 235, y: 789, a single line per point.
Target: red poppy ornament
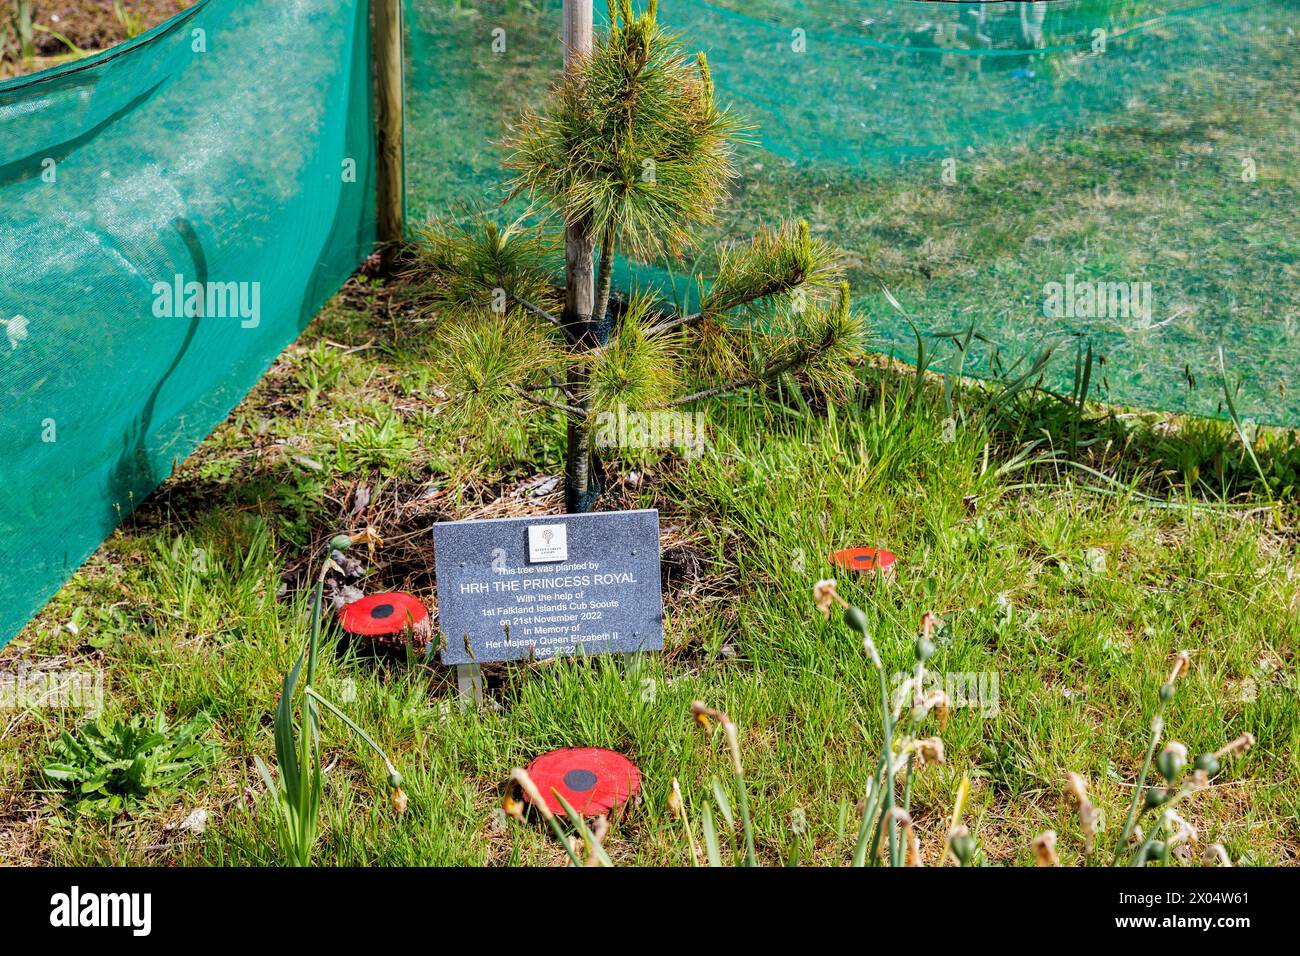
x: 383, y: 619
x: 866, y: 561
x: 592, y: 779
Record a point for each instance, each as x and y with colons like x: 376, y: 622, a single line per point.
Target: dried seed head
x: 903, y: 819
x: 1045, y: 849
x: 936, y: 700
x: 701, y: 714
x: 914, y: 849
x: 399, y: 800
x: 511, y: 803
x: 1077, y: 787
x: 370, y: 538
x: 521, y: 777
x: 733, y: 743
x: 824, y: 596
x: 869, y: 646
x: 1089, y: 822
x: 1215, y: 855
x: 930, y: 751
x: 599, y: 827
x: 675, y: 805
x: 1180, y: 666
x: 1089, y: 817
x: 1237, y: 747
x: 1185, y: 832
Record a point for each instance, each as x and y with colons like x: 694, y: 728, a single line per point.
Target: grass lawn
x: 1074, y: 593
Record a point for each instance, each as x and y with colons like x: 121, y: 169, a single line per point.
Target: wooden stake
x: 579, y: 244
x: 386, y: 38
x: 469, y: 682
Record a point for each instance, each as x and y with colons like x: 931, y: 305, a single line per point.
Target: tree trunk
x: 603, y: 281
x: 579, y: 289
x: 578, y: 484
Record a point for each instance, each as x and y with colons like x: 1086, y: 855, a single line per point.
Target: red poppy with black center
x: 592, y: 779
x: 386, y: 613
x: 866, y: 560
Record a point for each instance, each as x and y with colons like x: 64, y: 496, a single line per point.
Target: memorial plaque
x: 550, y: 586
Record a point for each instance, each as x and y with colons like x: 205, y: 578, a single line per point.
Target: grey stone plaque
x: 550, y: 586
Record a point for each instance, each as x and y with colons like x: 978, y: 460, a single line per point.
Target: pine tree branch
x: 772, y: 371
x: 543, y: 314
x: 568, y: 393
x: 776, y: 288
x: 675, y: 322
x: 547, y: 403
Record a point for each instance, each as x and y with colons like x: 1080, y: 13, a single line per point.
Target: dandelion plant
x: 632, y: 150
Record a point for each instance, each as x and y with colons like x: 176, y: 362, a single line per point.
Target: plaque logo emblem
x: 548, y: 542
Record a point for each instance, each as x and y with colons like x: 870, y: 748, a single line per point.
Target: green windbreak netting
x: 172, y: 213
x: 1120, y: 173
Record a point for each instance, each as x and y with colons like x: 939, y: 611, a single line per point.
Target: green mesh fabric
x: 995, y: 165
x: 212, y: 148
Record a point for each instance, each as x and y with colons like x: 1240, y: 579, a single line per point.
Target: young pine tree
x: 632, y: 151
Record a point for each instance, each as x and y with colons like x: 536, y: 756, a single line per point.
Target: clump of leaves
x: 111, y: 768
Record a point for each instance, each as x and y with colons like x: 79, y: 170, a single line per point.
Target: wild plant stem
x: 1140, y: 857
x: 563, y: 838
x: 690, y: 836
x: 733, y: 744
x: 751, y: 857
x: 1157, y: 725
x: 907, y: 804
x: 310, y: 691
x: 868, y: 815
x: 887, y: 800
